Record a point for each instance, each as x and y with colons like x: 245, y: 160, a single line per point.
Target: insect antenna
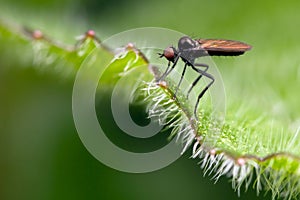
x: 160, y: 55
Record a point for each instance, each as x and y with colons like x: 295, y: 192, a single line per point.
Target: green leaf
x: 250, y: 146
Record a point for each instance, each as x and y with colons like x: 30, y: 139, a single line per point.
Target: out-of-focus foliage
x: 41, y: 154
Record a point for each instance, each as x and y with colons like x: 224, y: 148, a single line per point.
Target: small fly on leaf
x: 189, y: 49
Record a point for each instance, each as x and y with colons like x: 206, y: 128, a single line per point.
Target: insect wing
x: 219, y: 47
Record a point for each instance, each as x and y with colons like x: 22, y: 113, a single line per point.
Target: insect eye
x: 186, y: 43
x: 169, y: 53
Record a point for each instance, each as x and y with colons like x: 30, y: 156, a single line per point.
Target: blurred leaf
x: 248, y: 144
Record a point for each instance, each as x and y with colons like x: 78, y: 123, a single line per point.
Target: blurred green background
x: 42, y: 156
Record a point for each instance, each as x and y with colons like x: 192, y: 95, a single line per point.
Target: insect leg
x: 162, y: 77
x: 167, y: 72
x: 183, y: 72
x: 198, y: 78
x: 205, y: 89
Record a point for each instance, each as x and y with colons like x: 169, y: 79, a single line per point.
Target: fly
x: 189, y: 49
